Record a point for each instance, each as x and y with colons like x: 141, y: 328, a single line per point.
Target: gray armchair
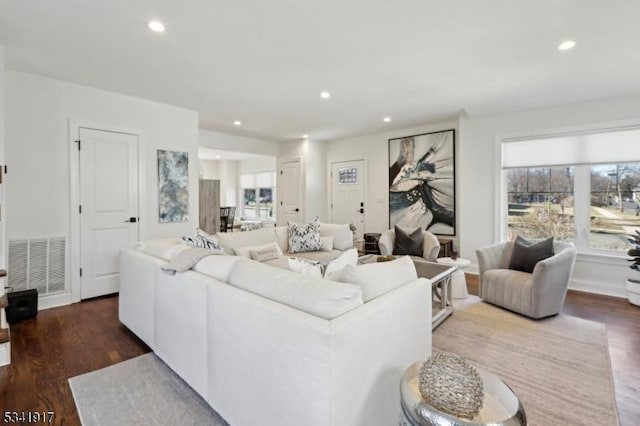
x: 536, y: 295
x: 430, y: 244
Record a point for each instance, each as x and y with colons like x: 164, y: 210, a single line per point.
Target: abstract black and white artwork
x: 422, y: 182
x: 173, y: 186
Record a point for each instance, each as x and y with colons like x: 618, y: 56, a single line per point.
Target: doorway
x: 108, y: 206
x: 347, y: 194
x: 290, y: 189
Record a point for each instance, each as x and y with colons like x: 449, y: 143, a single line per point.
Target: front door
x: 108, y: 207
x: 347, y: 194
x: 290, y: 190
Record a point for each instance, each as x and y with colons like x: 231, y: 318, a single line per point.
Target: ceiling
x: 266, y: 62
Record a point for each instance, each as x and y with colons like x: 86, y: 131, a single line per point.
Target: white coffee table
x: 458, y: 280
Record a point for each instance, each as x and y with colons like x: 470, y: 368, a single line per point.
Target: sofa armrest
x: 430, y: 246
x: 550, y: 280
x: 386, y: 242
x: 492, y: 257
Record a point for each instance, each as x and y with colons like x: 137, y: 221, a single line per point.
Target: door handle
x: 360, y: 211
x: 297, y: 209
x: 132, y: 220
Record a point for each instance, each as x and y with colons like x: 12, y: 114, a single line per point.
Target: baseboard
x: 54, y: 301
x: 598, y: 288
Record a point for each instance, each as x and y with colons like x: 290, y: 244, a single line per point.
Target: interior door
x: 108, y: 207
x: 347, y: 194
x: 290, y: 190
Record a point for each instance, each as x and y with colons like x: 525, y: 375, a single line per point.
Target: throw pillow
x: 267, y: 252
x: 203, y: 240
x: 271, y: 250
x: 342, y: 235
x: 376, y: 279
x: 408, y: 243
x: 306, y: 267
x: 526, y: 254
x: 304, y: 237
x: 335, y: 267
x: 327, y: 243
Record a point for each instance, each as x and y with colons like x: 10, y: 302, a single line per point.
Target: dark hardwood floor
x: 58, y: 344
x: 64, y: 342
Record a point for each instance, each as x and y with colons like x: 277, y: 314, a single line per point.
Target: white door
x: 108, y: 207
x: 347, y: 194
x: 290, y: 190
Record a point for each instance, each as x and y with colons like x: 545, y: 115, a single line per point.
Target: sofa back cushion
x: 231, y: 240
x: 375, y: 279
x: 164, y: 248
x: 322, y: 298
x: 218, y: 267
x: 342, y: 236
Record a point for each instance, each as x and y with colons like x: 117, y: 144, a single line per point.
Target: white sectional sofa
x: 266, y: 346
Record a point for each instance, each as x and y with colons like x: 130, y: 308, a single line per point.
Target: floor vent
x: 37, y: 263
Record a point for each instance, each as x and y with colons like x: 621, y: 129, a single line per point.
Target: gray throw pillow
x: 526, y: 254
x: 408, y: 243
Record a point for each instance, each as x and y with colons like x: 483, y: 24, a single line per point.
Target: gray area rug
x: 139, y: 391
x: 559, y: 367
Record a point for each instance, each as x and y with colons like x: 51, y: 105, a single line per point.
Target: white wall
x: 3, y: 210
x: 257, y: 164
x: 209, y: 169
x: 38, y: 112
x: 313, y: 155
x: 374, y: 149
x: 228, y: 142
x: 478, y: 177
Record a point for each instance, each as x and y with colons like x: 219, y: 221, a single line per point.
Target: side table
x: 458, y: 280
x: 501, y: 406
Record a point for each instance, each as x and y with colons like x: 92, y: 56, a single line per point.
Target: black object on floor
x: 22, y: 305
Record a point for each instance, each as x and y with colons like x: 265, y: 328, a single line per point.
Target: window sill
x: 603, y: 258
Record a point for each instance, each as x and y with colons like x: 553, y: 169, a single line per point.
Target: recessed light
x: 217, y: 156
x: 325, y: 95
x: 386, y: 119
x: 156, y: 26
x: 305, y: 136
x: 566, y: 45
x: 237, y: 123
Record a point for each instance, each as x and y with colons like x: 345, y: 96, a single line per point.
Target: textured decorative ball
x: 449, y: 384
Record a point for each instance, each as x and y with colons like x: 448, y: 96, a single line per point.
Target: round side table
x: 501, y: 407
x: 458, y: 280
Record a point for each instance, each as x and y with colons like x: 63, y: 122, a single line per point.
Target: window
x: 258, y: 191
x: 581, y: 188
x: 614, y: 205
x: 541, y: 202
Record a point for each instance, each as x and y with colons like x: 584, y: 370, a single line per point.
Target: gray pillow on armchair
x: 526, y: 254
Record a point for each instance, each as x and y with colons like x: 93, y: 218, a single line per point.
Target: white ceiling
x: 221, y: 155
x: 265, y: 62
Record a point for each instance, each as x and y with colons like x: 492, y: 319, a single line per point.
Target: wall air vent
x: 37, y: 263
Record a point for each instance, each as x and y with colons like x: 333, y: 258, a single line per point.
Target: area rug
x: 139, y: 391
x: 559, y: 367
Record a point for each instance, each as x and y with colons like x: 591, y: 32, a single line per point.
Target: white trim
x: 54, y: 301
x: 74, y: 197
x: 598, y: 288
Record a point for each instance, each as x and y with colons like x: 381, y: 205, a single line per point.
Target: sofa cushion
x: 525, y: 254
x: 322, y: 298
x: 270, y: 247
x: 203, y: 240
x: 408, y: 242
x: 327, y: 243
x: 304, y: 237
x: 309, y: 268
x: 376, y: 279
x: 321, y: 256
x: 218, y: 267
x: 342, y: 236
x: 282, y: 237
x: 230, y: 240
x: 164, y: 248
x: 335, y: 267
